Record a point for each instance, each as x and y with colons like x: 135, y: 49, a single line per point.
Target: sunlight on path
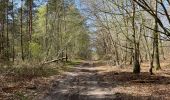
x: 82, y: 84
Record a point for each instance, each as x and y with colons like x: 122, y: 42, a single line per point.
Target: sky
x: 18, y: 2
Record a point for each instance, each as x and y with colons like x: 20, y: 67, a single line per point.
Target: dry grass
x: 23, y: 81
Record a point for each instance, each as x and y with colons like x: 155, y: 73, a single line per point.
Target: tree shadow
x: 116, y: 96
x: 125, y: 96
x: 143, y: 77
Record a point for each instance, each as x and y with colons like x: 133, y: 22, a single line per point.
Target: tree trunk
x: 22, y: 47
x: 157, y: 61
x: 30, y: 19
x: 162, y: 50
x: 156, y: 37
x: 136, y: 64
x: 13, y: 29
x: 7, y: 32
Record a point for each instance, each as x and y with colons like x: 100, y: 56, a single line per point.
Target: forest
x: 84, y: 49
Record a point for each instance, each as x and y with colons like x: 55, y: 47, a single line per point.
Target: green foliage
x: 35, y: 49
x: 59, y: 31
x: 66, y: 31
x: 41, y: 22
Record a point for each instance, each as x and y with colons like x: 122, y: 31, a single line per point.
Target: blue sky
x: 18, y: 2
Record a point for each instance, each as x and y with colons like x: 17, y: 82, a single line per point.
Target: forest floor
x: 96, y: 81
x: 93, y: 80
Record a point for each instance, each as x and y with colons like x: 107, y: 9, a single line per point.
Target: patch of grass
x: 28, y: 71
x: 74, y: 62
x: 35, y: 71
x: 19, y: 72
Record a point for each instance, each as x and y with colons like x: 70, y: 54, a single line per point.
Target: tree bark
x: 13, y: 29
x: 156, y: 37
x: 21, y: 26
x: 136, y: 64
x: 7, y: 32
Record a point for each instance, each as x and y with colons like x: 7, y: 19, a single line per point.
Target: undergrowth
x: 27, y: 70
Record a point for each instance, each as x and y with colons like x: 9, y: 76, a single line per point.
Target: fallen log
x: 54, y: 60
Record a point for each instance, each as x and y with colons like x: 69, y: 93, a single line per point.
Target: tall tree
x: 136, y: 64
x: 30, y: 18
x: 7, y: 30
x: 21, y: 31
x: 156, y: 37
x: 13, y: 30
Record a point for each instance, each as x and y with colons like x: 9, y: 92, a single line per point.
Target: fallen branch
x: 55, y: 60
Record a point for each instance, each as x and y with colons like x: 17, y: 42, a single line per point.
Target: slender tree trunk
x: 46, y: 29
x: 162, y: 50
x: 30, y: 26
x: 7, y: 32
x: 30, y: 19
x: 157, y: 61
x: 136, y: 64
x: 156, y: 37
x: 21, y: 31
x: 2, y: 36
x: 2, y: 43
x: 151, y: 58
x: 65, y: 28
x: 13, y: 29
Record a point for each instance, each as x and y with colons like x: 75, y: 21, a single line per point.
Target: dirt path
x: 81, y: 84
x: 89, y: 82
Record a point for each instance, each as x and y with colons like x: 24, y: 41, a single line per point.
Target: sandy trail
x: 81, y: 84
